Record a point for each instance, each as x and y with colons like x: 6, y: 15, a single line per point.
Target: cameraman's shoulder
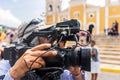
x: 66, y: 73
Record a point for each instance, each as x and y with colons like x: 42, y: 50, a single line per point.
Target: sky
x: 13, y: 12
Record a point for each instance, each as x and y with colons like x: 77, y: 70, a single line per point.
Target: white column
x: 54, y: 6
x: 69, y: 14
x: 106, y: 14
x: 98, y: 21
x: 84, y: 18
x: 119, y: 1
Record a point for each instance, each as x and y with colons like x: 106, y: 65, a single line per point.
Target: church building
x: 100, y: 18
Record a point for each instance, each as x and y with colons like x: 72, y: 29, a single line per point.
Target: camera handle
x: 50, y: 73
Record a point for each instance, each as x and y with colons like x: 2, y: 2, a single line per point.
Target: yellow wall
x: 49, y: 20
x: 78, y: 8
x: 92, y: 20
x: 114, y: 10
x: 56, y: 18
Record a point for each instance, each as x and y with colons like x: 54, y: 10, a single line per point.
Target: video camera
x: 70, y: 56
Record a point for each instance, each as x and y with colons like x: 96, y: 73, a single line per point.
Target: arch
x: 90, y: 27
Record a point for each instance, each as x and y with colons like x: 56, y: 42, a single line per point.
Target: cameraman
x: 21, y: 67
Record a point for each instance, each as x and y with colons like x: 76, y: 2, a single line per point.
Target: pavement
x: 110, y: 68
x: 106, y: 76
x: 108, y: 72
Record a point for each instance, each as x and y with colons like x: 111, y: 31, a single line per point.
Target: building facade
x: 88, y: 15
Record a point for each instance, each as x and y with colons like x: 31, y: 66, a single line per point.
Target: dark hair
x: 93, y: 41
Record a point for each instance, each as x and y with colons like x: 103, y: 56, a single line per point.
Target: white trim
x: 84, y: 16
x: 64, y: 13
x: 76, y: 2
x: 69, y: 12
x: 58, y: 18
x: 53, y: 22
x: 98, y: 21
x: 114, y: 3
x: 91, y: 9
x: 115, y: 16
x: 106, y: 14
x: 117, y: 4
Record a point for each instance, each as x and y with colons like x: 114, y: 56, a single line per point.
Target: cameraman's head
x: 93, y: 43
x: 44, y: 39
x: 26, y: 33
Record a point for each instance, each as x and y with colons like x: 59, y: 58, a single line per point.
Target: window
x: 50, y: 8
x: 58, y: 9
x: 76, y: 15
x: 91, y: 15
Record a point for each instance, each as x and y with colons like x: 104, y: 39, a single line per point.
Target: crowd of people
x: 114, y: 30
x: 7, y: 37
x: 25, y: 63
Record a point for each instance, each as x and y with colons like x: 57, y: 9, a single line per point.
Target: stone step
x: 106, y: 37
x: 110, y: 49
x: 112, y: 62
x: 111, y: 66
x: 109, y: 57
x: 108, y: 46
x: 109, y: 40
x: 115, y: 53
x: 107, y: 43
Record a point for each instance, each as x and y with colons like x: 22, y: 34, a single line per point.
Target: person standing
x: 4, y: 66
x: 95, y: 63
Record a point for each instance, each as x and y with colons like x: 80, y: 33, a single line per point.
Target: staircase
x: 109, y: 48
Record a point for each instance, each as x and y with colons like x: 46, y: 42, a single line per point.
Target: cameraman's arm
x: 20, y: 67
x: 76, y: 73
x: 8, y: 77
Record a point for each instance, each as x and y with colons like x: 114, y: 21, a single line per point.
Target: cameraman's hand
x: 20, y: 67
x: 76, y: 72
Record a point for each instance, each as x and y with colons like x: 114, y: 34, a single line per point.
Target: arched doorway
x: 90, y: 28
